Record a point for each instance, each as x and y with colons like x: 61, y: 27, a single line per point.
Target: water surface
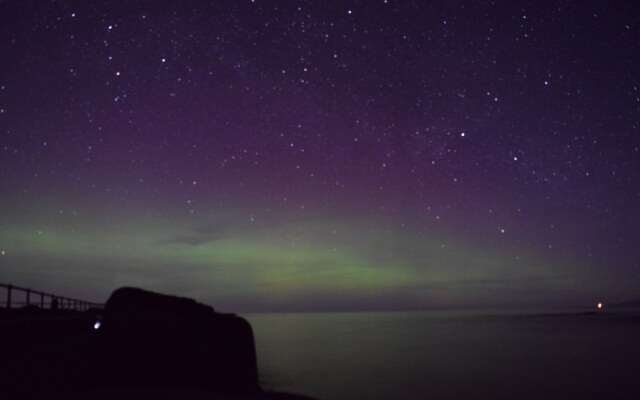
x: 450, y: 355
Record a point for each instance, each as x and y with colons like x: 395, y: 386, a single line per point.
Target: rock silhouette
x: 142, y: 345
x: 151, y: 339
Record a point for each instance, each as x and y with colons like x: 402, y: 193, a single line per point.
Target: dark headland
x: 625, y: 304
x: 142, y: 345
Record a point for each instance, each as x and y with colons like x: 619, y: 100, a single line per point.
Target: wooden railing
x: 41, y: 299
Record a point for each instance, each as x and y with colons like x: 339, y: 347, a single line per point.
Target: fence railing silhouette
x: 41, y: 299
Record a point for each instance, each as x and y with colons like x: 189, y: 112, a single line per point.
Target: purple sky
x: 308, y: 155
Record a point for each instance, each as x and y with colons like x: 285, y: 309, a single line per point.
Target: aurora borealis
x: 322, y: 155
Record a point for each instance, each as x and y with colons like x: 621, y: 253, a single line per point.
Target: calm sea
x: 450, y: 355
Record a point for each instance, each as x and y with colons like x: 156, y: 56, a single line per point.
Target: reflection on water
x: 450, y: 355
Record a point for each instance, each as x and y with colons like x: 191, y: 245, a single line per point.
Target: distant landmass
x: 625, y: 304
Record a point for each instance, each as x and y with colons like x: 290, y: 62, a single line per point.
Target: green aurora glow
x: 290, y: 264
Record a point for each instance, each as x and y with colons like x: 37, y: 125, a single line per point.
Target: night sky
x: 322, y: 155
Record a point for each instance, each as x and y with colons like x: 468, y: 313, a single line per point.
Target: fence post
x: 56, y: 302
x: 9, y: 296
